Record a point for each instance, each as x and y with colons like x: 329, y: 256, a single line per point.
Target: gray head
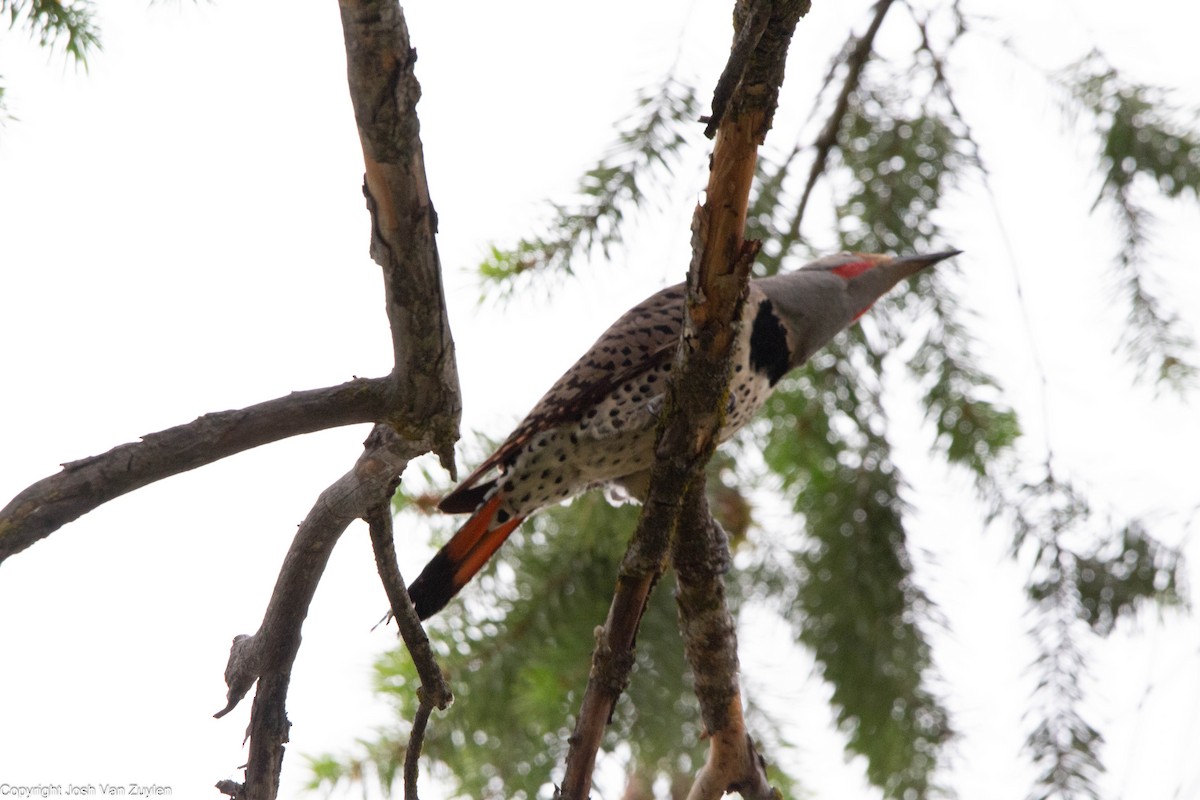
x: 821, y: 298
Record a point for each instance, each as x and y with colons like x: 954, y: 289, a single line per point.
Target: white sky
x: 182, y: 231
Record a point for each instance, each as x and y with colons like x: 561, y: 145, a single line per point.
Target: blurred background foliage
x: 887, y: 139
x: 54, y: 25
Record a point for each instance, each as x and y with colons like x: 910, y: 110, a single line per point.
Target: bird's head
x: 821, y: 298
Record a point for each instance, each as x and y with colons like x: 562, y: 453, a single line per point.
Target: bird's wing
x: 644, y: 337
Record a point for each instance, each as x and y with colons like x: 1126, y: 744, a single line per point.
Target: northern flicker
x: 596, y: 425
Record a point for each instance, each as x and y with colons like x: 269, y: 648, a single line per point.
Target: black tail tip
x: 434, y: 587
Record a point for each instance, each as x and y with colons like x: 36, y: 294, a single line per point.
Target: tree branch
x: 82, y: 485
x: 419, y: 402
x: 425, y: 408
x: 433, y: 692
x: 749, y: 33
x: 696, y: 395
x: 425, y: 379
x: 700, y: 556
x: 856, y: 60
x: 385, y: 91
x: 267, y: 655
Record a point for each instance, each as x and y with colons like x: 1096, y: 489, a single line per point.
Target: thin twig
x: 416, y: 739
x: 82, y: 485
x: 856, y: 60
x: 433, y: 693
x: 379, y: 519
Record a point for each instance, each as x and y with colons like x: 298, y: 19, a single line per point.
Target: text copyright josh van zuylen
x: 85, y: 790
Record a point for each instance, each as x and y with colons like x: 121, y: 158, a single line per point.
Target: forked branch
x: 425, y: 408
x: 700, y: 555
x: 717, y: 279
x: 267, y: 655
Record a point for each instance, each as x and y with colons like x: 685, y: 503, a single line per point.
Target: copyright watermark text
x: 43, y: 790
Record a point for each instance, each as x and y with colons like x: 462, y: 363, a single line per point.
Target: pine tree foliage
x: 1144, y: 148
x: 900, y: 147
x: 625, y: 180
x: 851, y: 597
x: 1084, y: 577
x: 52, y: 24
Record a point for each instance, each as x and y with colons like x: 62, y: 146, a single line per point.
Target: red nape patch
x: 853, y: 269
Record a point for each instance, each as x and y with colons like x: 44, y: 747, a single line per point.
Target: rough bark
x: 700, y: 556
x: 426, y: 405
x: 384, y: 89
x: 743, y: 106
x: 434, y: 692
x: 82, y: 485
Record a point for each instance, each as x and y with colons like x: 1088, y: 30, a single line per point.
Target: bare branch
x: 700, y: 556
x: 268, y: 654
x: 612, y: 660
x: 380, y: 521
x: 696, y: 394
x: 82, y: 485
x: 385, y: 91
x: 416, y: 739
x: 433, y: 693
x: 425, y: 403
x: 856, y: 60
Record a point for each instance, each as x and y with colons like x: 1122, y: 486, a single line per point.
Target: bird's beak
x: 911, y: 265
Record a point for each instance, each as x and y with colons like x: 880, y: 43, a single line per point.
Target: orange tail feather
x: 462, y: 557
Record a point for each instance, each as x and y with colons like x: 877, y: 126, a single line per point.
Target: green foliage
x: 1122, y: 570
x: 897, y: 170
x: 624, y: 180
x: 1111, y: 571
x: 1072, y: 592
x: 1117, y: 578
x: 1142, y: 145
x: 52, y: 24
x: 855, y: 603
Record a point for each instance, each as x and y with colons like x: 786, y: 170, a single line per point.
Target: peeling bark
x: 744, y: 104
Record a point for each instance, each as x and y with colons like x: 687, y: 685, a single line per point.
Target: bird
x: 596, y: 425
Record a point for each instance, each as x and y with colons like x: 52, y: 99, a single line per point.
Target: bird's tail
x: 462, y: 557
